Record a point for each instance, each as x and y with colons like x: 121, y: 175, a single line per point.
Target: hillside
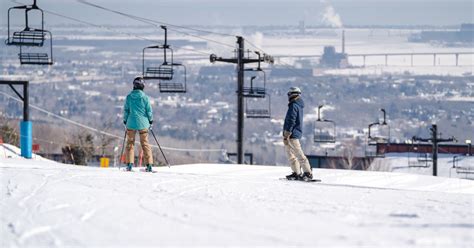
x: 49, y: 204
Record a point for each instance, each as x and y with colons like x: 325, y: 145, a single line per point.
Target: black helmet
x: 138, y: 83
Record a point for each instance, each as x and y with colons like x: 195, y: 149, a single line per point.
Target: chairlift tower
x: 434, y: 140
x: 240, y: 61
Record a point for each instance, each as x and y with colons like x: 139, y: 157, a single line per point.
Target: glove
x: 285, y: 142
x: 125, y: 123
x: 286, y: 135
x: 151, y: 124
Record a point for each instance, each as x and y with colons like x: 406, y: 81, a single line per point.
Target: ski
x: 143, y: 170
x: 139, y: 170
x: 306, y: 181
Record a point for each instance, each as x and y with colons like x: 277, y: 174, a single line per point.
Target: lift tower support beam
x: 434, y: 141
x: 26, y: 130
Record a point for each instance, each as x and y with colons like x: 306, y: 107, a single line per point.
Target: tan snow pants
x: 129, y: 153
x: 296, y: 156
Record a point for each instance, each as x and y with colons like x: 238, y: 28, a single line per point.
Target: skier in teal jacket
x: 138, y: 117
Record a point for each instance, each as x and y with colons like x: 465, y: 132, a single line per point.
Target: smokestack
x: 343, y: 42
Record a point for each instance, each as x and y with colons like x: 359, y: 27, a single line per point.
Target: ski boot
x: 293, y: 176
x: 148, y: 168
x: 307, y: 176
x: 129, y: 167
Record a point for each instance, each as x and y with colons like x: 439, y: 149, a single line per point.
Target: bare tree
x: 105, y: 141
x: 349, y: 155
x: 9, y: 133
x: 80, y: 150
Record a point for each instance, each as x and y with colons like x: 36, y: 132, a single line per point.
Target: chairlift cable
x: 48, y: 113
x: 156, y: 23
x: 111, y: 29
x: 160, y: 22
x: 291, y: 67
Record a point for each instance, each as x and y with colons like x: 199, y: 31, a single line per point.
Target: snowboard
x: 305, y: 181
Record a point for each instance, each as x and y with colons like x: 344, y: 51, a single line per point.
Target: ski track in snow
x: 220, y: 205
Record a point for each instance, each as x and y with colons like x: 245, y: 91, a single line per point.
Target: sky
x: 267, y: 12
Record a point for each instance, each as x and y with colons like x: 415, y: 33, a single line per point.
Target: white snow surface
x: 49, y: 204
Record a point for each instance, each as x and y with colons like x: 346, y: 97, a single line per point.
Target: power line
x: 103, y: 132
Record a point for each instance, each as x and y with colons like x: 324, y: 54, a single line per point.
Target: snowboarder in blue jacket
x: 138, y: 117
x: 292, y: 133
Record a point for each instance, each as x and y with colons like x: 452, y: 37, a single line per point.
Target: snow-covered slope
x: 50, y: 204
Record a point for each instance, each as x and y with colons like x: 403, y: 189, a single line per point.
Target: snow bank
x: 11, y: 151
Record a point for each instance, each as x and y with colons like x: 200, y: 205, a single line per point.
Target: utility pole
x: 240, y: 60
x: 434, y: 141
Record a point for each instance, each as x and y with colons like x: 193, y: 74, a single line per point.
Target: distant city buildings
x: 464, y: 35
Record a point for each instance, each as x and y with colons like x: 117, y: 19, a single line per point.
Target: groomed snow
x: 51, y: 204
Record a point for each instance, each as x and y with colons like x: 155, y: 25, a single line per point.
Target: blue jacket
x: 137, y: 111
x: 294, y: 118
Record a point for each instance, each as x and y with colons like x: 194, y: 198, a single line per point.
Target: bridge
x: 387, y: 55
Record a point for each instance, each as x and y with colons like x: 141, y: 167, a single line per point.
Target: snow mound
x: 50, y: 204
x: 11, y: 151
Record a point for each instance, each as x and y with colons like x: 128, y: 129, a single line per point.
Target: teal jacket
x: 137, y: 111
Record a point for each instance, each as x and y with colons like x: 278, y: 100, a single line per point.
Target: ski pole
x: 159, y: 147
x: 123, y: 145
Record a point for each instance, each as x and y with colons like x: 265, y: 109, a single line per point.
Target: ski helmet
x: 138, y: 83
x: 294, y: 91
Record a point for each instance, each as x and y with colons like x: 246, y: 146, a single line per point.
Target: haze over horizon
x: 265, y: 12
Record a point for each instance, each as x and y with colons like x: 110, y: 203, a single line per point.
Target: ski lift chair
x: 255, y: 108
x: 421, y: 161
x: 424, y: 157
x: 32, y: 37
x: 380, y: 136
x: 162, y: 72
x: 28, y: 36
x: 255, y: 90
x: 165, y: 72
x: 324, y: 130
x: 39, y: 56
x: 172, y: 85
